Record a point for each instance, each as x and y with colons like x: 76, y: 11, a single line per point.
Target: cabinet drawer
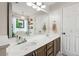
x: 41, y: 51
x: 51, y: 54
x: 50, y: 51
x: 49, y: 45
x: 56, y: 46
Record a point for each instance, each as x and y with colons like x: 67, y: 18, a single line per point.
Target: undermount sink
x: 31, y: 43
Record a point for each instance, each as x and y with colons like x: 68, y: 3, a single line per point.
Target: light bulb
x: 43, y: 6
x: 38, y: 9
x: 29, y: 3
x: 39, y: 3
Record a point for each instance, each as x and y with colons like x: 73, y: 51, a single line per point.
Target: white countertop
x: 32, y: 44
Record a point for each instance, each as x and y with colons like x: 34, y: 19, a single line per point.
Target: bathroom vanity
x: 39, y: 45
x: 50, y: 49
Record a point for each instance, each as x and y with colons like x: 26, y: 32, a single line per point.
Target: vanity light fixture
x: 37, y: 5
x: 43, y: 6
x: 38, y: 9
x: 34, y: 6
x: 29, y: 3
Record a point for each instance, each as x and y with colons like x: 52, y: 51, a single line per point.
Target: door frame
x: 61, y: 25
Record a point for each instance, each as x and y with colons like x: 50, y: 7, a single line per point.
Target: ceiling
x: 22, y: 9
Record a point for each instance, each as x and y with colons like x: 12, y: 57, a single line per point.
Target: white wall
x: 55, y: 13
x: 57, y: 16
x: 41, y: 19
x: 3, y: 18
x: 48, y: 18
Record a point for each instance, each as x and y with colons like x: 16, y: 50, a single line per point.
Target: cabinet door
x: 50, y: 52
x: 41, y: 51
x: 49, y: 45
x: 56, y: 46
x: 50, y: 49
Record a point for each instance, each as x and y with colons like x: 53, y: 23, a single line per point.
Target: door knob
x: 63, y: 33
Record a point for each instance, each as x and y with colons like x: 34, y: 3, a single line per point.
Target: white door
x: 70, y: 35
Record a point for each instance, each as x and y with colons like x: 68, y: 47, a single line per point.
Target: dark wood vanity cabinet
x: 41, y: 51
x: 50, y: 49
x: 56, y: 46
x: 53, y: 47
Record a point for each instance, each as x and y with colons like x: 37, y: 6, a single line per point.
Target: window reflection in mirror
x: 18, y: 22
x: 19, y: 26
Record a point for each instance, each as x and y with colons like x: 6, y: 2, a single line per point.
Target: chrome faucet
x: 22, y: 40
